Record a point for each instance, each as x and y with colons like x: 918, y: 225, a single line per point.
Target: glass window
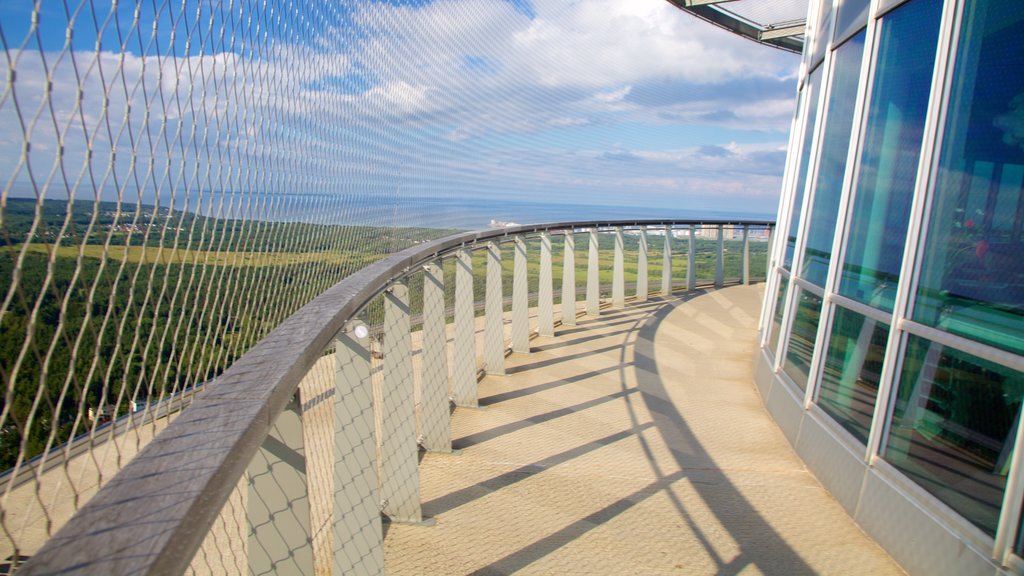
x: 805, y: 155
x: 780, y: 304
x: 972, y: 280
x: 821, y: 35
x: 832, y: 160
x: 853, y: 14
x: 853, y: 366
x: 953, y: 428
x: 889, y: 159
x: 802, y: 336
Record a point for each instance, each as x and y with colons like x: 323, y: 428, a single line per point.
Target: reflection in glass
x: 972, y: 280
x: 954, y: 427
x: 853, y: 14
x: 801, y: 337
x: 780, y: 301
x: 853, y: 366
x: 892, y: 145
x: 821, y: 35
x: 810, y: 91
x: 832, y: 160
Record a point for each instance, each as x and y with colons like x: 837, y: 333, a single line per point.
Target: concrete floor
x: 634, y: 443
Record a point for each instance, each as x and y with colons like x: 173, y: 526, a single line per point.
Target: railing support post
x: 593, y: 275
x: 746, y: 255
x: 569, y: 279
x: 619, y: 271
x: 280, y: 540
x: 720, y: 260
x: 520, y: 300
x: 691, y: 259
x: 666, y: 263
x: 358, y: 534
x: 641, y: 267
x: 494, y: 314
x: 464, y: 353
x: 545, y: 289
x: 435, y: 415
x: 399, y: 466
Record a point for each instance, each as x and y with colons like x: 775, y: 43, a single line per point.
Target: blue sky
x: 626, y: 102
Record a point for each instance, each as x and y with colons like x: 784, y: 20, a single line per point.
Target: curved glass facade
x: 897, y: 313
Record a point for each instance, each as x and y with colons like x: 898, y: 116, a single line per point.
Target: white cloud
x: 453, y: 89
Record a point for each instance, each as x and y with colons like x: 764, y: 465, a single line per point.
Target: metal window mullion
x: 641, y: 266
x: 844, y: 210
x: 972, y: 347
x: 861, y: 308
x: 569, y: 279
x: 917, y: 222
x: 776, y: 245
x: 1010, y: 516
x: 827, y: 71
x: 520, y: 299
x: 593, y: 275
x: 545, y: 289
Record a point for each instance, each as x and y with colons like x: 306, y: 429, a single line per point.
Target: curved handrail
x: 155, y: 512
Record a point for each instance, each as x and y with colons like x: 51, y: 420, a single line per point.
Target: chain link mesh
x: 179, y: 176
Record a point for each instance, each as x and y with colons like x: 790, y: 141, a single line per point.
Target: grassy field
x: 156, y: 255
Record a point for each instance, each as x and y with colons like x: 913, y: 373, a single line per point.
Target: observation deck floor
x: 634, y: 443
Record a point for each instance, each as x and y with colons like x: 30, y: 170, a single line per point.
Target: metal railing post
x: 399, y: 466
x: 746, y: 255
x: 545, y: 289
x: 641, y: 267
x: 666, y: 263
x: 720, y: 259
x: 593, y: 275
x: 691, y: 259
x: 494, y: 314
x: 464, y: 391
x: 280, y: 540
x: 520, y: 300
x: 357, y: 532
x: 619, y: 271
x: 569, y: 280
x: 435, y: 415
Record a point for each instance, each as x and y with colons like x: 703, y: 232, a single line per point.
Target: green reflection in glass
x: 810, y: 91
x: 853, y: 366
x: 832, y: 160
x: 954, y: 426
x: 972, y: 280
x: 892, y: 145
x: 780, y: 301
x: 801, y: 338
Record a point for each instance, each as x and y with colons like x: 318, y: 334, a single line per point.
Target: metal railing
x: 247, y: 431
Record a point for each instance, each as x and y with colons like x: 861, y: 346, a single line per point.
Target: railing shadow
x: 760, y: 545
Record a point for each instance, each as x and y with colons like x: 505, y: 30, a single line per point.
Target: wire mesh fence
x: 180, y: 176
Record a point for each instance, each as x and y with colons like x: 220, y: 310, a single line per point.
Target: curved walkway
x: 634, y: 443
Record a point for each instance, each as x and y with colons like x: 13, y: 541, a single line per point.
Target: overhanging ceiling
x: 777, y: 23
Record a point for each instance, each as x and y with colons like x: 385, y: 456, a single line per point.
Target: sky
x: 621, y: 102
